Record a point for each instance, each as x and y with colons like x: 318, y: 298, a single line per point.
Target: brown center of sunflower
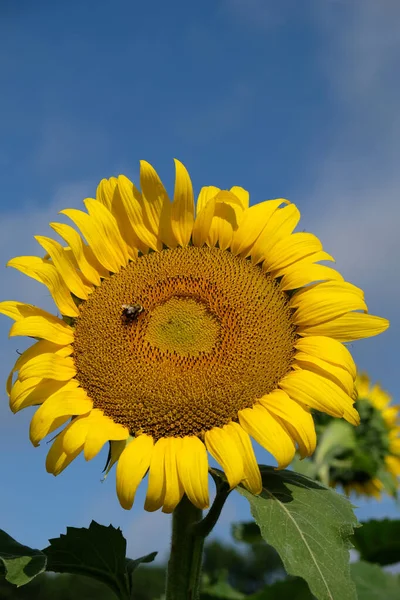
x: 181, y: 340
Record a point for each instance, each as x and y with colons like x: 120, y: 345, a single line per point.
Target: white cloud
x: 358, y: 177
x: 63, y: 143
x: 260, y: 14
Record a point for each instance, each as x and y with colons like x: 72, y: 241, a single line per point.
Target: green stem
x: 188, y: 535
x: 184, y: 565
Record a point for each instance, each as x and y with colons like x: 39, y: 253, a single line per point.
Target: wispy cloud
x: 260, y: 14
x: 358, y: 174
x: 64, y: 143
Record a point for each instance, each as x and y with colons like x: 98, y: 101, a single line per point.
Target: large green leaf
x: 373, y: 583
x: 309, y: 525
x: 97, y: 552
x: 379, y: 541
x: 294, y: 588
x: 20, y: 563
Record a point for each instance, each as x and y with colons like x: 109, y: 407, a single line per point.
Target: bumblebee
x: 130, y: 312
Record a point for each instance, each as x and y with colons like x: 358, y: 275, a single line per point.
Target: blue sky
x: 290, y: 99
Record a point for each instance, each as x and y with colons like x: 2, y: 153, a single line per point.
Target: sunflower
x: 181, y: 334
x: 377, y: 444
x: 363, y: 460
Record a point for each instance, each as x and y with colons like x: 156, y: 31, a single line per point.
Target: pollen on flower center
x: 183, y: 326
x: 215, y: 334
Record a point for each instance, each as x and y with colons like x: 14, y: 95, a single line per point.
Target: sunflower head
x: 364, y: 460
x: 184, y: 330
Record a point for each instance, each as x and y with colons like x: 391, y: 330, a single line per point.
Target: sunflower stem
x: 184, y: 565
x: 188, y: 535
x: 203, y: 528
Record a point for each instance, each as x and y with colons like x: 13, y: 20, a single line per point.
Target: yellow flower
x: 182, y: 334
x: 381, y: 424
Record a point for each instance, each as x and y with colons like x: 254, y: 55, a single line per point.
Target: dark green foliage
x: 372, y: 583
x: 379, y: 541
x: 19, y: 564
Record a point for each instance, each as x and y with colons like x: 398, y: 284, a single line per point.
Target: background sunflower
x: 366, y: 459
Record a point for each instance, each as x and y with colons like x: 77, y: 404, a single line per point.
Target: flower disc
x: 215, y: 334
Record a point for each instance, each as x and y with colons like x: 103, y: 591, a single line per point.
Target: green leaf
x: 20, y: 563
x: 379, y: 541
x: 221, y: 589
x: 337, y: 437
x: 294, y: 588
x: 309, y: 525
x: 306, y: 467
x: 373, y: 583
x: 249, y: 533
x: 132, y: 564
x: 97, y: 552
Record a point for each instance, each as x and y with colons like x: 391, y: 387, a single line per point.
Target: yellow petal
x: 156, y: 205
x: 20, y: 310
x: 253, y: 221
x: 348, y: 327
x: 252, y: 476
x: 330, y: 350
x: 338, y: 374
x: 35, y: 391
x: 296, y: 277
x: 21, y: 390
x: 74, y: 434
x: 393, y: 465
x: 223, y: 446
x: 182, y: 210
x: 56, y: 410
x: 327, y: 286
x: 202, y: 224
x: 320, y: 393
x: 40, y: 347
x: 65, y: 266
x: 131, y: 468
x: 105, y: 191
x: 173, y: 485
x: 319, y: 304
x: 53, y: 330
x: 118, y: 210
x: 156, y: 485
x: 95, y: 237
x: 297, y: 420
x: 269, y: 433
x: 133, y: 205
x: 108, y: 224
x: 242, y: 195
x: 46, y: 273
x: 193, y: 471
x: 83, y: 254
x: 102, y: 429
x: 291, y: 249
x: 206, y: 194
x: 227, y: 216
x: 280, y: 225
x: 50, y: 366
x: 57, y: 460
x: 312, y: 258
x: 116, y: 449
